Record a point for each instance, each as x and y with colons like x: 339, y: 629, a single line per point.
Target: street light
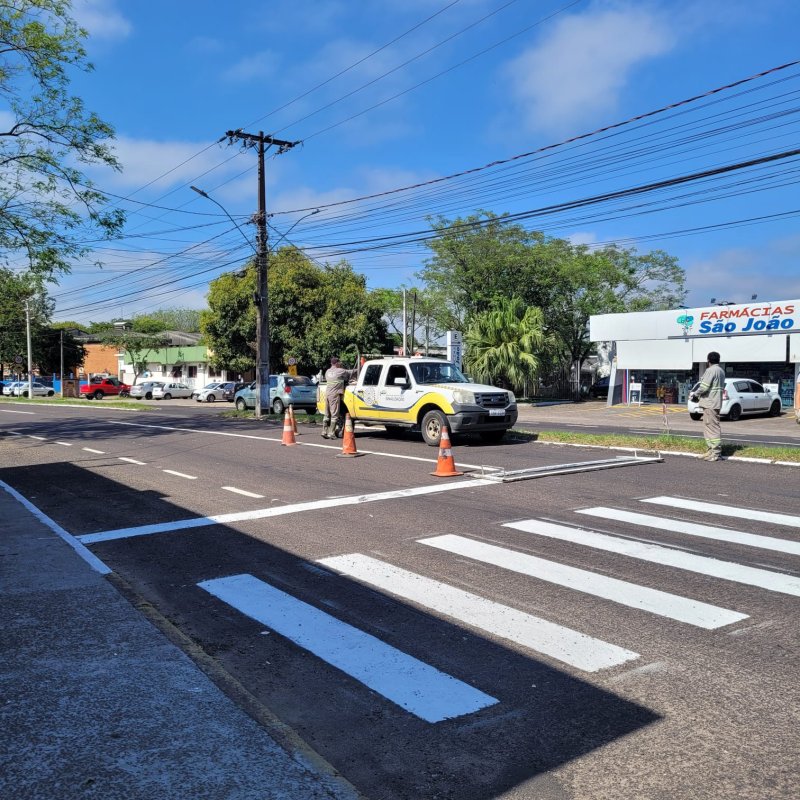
x: 225, y: 210
x: 297, y: 222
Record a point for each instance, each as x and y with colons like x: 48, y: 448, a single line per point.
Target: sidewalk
x: 98, y: 703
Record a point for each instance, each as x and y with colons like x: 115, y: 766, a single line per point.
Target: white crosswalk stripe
x: 411, y: 684
x: 682, y: 609
x: 695, y: 529
x: 556, y: 641
x: 727, y: 511
x: 657, y: 554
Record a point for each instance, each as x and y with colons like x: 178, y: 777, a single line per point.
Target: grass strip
x: 57, y: 401
x: 663, y: 443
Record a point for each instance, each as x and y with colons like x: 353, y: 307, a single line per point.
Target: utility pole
x: 259, y: 140
x: 405, y: 325
x: 61, y: 373
x: 28, y: 337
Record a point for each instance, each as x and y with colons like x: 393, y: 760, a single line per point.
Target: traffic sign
x: 17, y: 359
x: 291, y: 361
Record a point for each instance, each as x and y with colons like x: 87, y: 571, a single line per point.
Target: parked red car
x: 98, y: 388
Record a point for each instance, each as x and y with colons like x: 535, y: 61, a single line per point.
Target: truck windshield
x: 437, y: 372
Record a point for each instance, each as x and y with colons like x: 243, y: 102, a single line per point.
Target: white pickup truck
x: 426, y: 394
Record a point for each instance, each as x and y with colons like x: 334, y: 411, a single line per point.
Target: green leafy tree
x: 15, y: 289
x: 170, y: 319
x: 503, y: 345
x: 47, y: 205
x: 48, y: 347
x: 315, y: 312
x: 137, y: 346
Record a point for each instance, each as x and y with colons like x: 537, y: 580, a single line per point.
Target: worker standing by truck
x: 336, y: 378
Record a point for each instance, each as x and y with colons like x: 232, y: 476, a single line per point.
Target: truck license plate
x: 497, y: 412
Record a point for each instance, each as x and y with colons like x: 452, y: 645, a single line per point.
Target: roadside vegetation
x: 664, y: 443
x: 75, y: 401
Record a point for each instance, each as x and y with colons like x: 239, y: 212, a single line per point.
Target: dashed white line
x: 92, y: 450
x: 242, y: 492
x: 39, y: 438
x: 132, y: 461
x: 64, y: 444
x: 180, y: 474
x: 7, y: 411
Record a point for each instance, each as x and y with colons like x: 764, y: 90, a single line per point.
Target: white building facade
x: 665, y: 352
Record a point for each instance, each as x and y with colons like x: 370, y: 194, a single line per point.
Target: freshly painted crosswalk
x: 411, y: 684
x: 727, y: 511
x: 682, y: 609
x: 432, y: 695
x: 695, y: 529
x: 666, y: 556
x: 534, y: 633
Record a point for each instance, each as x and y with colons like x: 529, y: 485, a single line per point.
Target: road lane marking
x: 180, y: 474
x: 726, y: 511
x: 87, y: 555
x: 413, y: 685
x: 39, y: 438
x: 682, y: 609
x: 132, y: 461
x: 534, y: 633
x: 278, y: 441
x: 277, y: 511
x: 91, y: 450
x: 695, y: 529
x: 242, y: 492
x: 656, y: 554
x: 64, y: 444
x: 8, y: 411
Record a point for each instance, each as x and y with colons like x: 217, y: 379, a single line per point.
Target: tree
x: 48, y: 347
x: 47, y: 205
x: 502, y: 345
x: 480, y: 260
x: 136, y: 346
x: 426, y: 322
x: 15, y: 289
x: 171, y: 319
x: 315, y: 313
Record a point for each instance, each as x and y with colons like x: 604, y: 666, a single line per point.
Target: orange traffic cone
x: 446, y: 465
x: 288, y: 431
x: 294, y: 421
x: 348, y: 440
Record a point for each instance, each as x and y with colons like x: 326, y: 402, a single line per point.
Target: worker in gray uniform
x: 336, y: 378
x: 709, y: 394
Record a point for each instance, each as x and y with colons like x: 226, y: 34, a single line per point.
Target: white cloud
x: 255, y: 66
x: 146, y: 160
x: 576, y: 74
x: 101, y: 18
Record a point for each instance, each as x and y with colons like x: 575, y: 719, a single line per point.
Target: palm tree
x: 503, y: 344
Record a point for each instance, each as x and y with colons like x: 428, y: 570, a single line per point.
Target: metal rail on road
x: 507, y: 476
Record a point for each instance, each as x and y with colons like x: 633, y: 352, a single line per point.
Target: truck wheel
x: 277, y: 406
x: 98, y: 395
x: 493, y: 437
x: 696, y: 417
x: 432, y: 425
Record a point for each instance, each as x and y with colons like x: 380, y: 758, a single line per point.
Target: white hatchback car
x: 169, y: 390
x: 741, y: 396
x: 39, y: 389
x: 209, y: 393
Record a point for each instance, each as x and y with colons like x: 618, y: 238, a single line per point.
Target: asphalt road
x: 455, y: 638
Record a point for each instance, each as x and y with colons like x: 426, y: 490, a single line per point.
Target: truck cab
x: 427, y: 394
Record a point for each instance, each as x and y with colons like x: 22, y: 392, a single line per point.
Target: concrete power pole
x: 28, y: 337
x: 259, y: 140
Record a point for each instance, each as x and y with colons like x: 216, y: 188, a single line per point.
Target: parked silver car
x: 298, y: 391
x: 144, y: 391
x: 39, y: 390
x: 172, y: 389
x: 210, y: 392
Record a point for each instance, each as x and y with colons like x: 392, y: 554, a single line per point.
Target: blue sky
x: 172, y: 77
